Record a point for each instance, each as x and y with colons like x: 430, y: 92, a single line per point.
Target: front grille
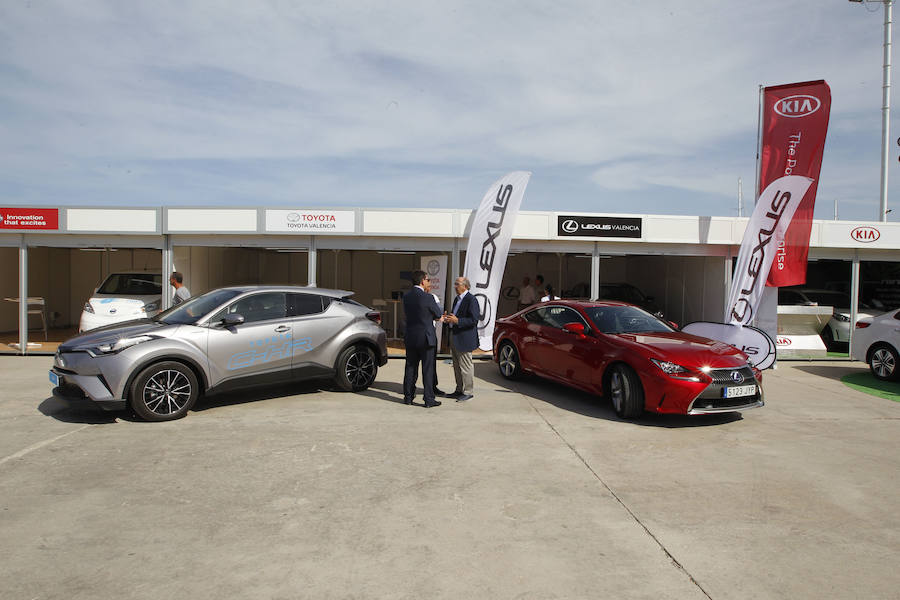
x: 724, y: 375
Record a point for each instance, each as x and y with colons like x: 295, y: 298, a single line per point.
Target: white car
x: 876, y: 341
x: 837, y: 330
x: 122, y: 297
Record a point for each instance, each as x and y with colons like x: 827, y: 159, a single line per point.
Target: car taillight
x: 374, y: 316
x: 862, y: 325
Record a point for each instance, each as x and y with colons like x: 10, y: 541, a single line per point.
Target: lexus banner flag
x: 492, y: 228
x: 794, y: 124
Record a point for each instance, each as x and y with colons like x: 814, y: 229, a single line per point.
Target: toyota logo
x: 737, y: 377
x: 570, y: 226
x: 293, y: 217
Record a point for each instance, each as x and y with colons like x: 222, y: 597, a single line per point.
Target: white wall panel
x: 412, y: 223
x: 205, y: 219
x: 111, y: 220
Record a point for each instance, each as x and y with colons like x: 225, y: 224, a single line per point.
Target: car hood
x: 112, y: 333
x: 687, y: 350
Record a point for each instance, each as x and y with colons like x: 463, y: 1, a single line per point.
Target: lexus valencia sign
x: 614, y: 227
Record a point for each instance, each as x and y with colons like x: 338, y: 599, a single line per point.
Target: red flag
x: 794, y: 123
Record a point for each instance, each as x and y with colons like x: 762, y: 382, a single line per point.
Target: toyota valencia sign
x: 311, y: 221
x: 611, y: 227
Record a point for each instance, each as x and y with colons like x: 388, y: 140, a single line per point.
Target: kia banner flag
x: 794, y: 124
x: 489, y: 238
x: 765, y: 233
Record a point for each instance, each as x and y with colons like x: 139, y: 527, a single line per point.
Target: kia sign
x: 865, y: 234
x: 311, y: 221
x: 29, y: 218
x: 611, y: 227
x: 797, y: 106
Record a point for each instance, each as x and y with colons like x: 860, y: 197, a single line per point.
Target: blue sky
x: 625, y: 107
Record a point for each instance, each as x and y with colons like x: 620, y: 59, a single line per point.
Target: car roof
x: 300, y: 289
x: 582, y: 303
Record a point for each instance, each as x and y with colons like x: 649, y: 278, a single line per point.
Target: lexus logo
x: 570, y: 226
x: 800, y: 105
x: 737, y: 377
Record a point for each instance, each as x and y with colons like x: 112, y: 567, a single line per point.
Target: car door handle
x: 282, y: 329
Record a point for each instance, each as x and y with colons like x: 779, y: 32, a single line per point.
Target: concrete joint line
x: 662, y: 547
x: 39, y: 445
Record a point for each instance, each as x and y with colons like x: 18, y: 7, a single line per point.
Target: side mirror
x: 232, y: 319
x: 576, y: 328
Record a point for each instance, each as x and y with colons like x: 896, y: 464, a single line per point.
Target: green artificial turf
x: 866, y: 383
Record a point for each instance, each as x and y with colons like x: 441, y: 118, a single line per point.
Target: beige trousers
x: 463, y: 370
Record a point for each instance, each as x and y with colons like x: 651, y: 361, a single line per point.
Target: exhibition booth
x: 679, y: 265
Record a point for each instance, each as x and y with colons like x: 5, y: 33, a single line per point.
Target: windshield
x: 132, y: 284
x: 191, y: 311
x: 625, y: 319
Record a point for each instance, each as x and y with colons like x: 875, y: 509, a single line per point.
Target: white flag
x: 488, y: 247
x: 762, y: 240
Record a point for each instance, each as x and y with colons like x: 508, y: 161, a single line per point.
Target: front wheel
x: 625, y: 391
x: 883, y: 362
x: 356, y: 369
x: 164, y: 391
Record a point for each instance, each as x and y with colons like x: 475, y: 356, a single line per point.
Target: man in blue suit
x: 421, y: 311
x: 463, y: 320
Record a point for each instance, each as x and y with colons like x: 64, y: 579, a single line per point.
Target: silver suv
x: 228, y: 338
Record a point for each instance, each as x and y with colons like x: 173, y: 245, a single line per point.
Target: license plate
x: 740, y: 390
x: 54, y: 378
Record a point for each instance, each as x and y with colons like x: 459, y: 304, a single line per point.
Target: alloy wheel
x: 883, y: 363
x: 167, y: 392
x: 508, y: 361
x: 617, y: 390
x: 361, y: 369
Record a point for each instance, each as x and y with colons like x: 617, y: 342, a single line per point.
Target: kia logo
x: 782, y: 341
x: 800, y: 105
x: 570, y: 226
x: 865, y: 234
x: 737, y: 377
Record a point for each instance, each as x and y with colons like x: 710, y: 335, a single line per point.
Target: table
x: 36, y: 301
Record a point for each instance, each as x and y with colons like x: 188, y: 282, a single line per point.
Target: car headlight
x: 669, y: 368
x: 674, y: 370
x: 88, y: 308
x: 123, y: 343
x: 151, y: 307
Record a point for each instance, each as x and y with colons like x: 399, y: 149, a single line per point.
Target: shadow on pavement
x: 831, y: 371
x: 255, y: 394
x: 81, y: 412
x: 589, y: 405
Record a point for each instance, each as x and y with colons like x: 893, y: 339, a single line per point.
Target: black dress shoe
x: 454, y: 394
x: 407, y: 401
x: 438, y: 392
x: 432, y: 404
x: 464, y: 397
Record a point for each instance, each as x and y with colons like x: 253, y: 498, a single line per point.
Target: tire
x: 625, y: 391
x: 356, y: 369
x: 884, y: 363
x: 508, y: 361
x: 164, y: 391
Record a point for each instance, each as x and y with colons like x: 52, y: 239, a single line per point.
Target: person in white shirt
x: 548, y: 294
x: 526, y: 294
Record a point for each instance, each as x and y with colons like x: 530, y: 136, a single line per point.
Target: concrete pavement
x: 531, y: 490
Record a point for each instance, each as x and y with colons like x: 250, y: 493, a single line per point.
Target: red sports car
x: 627, y: 355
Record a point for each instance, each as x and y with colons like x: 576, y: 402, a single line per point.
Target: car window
x: 625, y: 319
x: 192, y: 310
x: 306, y: 304
x: 259, y: 307
x: 535, y: 316
x: 559, y: 316
x: 132, y: 284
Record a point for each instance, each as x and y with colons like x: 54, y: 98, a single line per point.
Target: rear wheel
x: 508, y: 361
x: 883, y: 361
x: 625, y: 391
x: 164, y: 391
x: 356, y: 369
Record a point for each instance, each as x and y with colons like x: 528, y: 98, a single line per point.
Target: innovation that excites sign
x: 612, y: 227
x: 311, y: 221
x: 29, y: 218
